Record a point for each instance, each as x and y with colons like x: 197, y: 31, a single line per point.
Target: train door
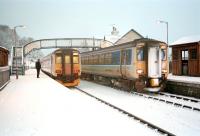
x: 154, y: 62
x: 184, y: 62
x: 58, y: 63
x: 67, y: 63
x: 126, y: 56
x: 123, y: 63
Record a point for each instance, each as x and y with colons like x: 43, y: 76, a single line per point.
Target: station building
x: 186, y: 56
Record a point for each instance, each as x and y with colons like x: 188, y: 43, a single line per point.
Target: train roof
x: 134, y: 42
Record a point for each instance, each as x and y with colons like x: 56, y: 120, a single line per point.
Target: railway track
x: 177, y: 104
x: 180, y: 97
x: 146, y: 123
x: 171, y: 102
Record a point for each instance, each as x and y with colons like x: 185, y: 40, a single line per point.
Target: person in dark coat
x: 38, y: 67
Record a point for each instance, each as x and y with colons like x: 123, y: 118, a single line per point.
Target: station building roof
x: 186, y: 40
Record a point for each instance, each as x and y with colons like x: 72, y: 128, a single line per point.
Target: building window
x: 185, y: 55
x: 193, y: 54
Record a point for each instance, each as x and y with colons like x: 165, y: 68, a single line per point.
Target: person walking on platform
x: 38, y: 67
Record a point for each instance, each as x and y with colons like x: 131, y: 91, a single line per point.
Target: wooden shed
x: 186, y: 56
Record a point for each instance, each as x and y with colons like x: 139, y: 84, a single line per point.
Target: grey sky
x: 88, y: 18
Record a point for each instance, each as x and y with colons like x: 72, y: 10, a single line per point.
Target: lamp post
x: 15, y: 38
x: 165, y: 22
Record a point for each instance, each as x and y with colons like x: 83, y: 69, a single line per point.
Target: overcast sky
x: 88, y: 18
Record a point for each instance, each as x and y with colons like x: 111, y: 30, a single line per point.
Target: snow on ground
x: 43, y: 107
x: 180, y: 121
x: 187, y: 79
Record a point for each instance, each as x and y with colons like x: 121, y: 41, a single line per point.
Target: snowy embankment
x: 180, y: 121
x: 43, y: 107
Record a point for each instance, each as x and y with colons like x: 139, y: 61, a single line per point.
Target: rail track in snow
x: 144, y: 122
x: 165, y: 100
x: 172, y: 102
x: 180, y: 97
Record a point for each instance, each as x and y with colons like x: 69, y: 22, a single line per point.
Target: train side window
x: 128, y: 56
x: 116, y: 58
x: 75, y: 59
x: 140, y: 54
x: 58, y: 59
x: 101, y: 59
x: 95, y: 59
x: 107, y: 58
x: 163, y: 54
x: 82, y: 60
x: 67, y: 59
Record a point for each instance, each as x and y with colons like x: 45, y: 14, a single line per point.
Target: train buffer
x: 44, y: 107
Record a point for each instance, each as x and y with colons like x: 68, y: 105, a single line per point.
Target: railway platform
x: 184, y: 85
x: 33, y: 106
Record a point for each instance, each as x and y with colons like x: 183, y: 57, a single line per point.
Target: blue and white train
x: 139, y: 65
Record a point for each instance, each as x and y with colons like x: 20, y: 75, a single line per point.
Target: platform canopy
x: 63, y: 43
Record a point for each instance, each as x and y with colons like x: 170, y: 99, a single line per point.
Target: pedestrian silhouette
x: 38, y: 67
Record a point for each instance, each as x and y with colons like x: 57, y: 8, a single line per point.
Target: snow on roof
x: 188, y: 39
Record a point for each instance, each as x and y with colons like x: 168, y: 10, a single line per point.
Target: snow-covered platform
x: 185, y: 79
x: 184, y: 85
x: 33, y: 106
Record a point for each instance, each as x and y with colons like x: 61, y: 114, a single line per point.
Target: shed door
x: 184, y: 58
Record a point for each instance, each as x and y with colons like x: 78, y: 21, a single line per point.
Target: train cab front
x: 69, y: 72
x: 153, y: 72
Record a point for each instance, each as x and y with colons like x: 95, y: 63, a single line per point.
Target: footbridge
x: 18, y: 53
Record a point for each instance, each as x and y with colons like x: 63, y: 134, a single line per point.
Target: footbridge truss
x: 62, y: 43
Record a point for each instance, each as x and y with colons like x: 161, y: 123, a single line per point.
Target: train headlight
x: 140, y: 71
x: 164, y: 71
x: 58, y: 71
